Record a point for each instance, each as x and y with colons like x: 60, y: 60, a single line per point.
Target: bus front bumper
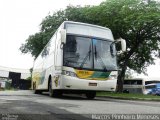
x: 74, y: 83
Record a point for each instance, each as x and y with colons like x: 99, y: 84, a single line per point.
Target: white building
x: 4, y: 72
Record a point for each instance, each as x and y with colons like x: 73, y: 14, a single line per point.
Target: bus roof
x: 85, y: 24
x: 152, y: 78
x: 89, y: 30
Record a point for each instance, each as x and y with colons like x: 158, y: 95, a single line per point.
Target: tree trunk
x: 120, y: 80
x: 121, y: 74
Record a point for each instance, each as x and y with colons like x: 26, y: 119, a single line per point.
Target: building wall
x: 18, y: 77
x: 4, y: 72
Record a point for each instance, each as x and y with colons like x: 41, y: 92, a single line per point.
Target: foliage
x: 129, y: 74
x: 29, y: 78
x: 35, y: 43
x: 134, y: 20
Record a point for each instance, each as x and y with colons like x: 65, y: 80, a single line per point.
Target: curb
x: 136, y: 99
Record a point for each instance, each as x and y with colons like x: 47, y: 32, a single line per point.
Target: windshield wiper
x: 88, y: 55
x: 101, y: 61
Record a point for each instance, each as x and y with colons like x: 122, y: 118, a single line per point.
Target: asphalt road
x: 24, y: 105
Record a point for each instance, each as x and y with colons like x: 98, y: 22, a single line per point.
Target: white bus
x: 140, y: 85
x: 79, y: 58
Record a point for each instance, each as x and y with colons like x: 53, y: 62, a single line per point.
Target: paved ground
x: 29, y: 106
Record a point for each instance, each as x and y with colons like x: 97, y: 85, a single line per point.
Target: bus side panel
x: 48, y: 70
x: 37, y: 73
x: 52, y: 62
x: 45, y: 65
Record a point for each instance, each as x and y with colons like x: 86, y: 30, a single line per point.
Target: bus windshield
x: 89, y: 53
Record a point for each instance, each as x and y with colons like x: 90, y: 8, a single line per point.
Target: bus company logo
x: 83, y: 72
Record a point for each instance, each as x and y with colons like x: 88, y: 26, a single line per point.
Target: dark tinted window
x: 133, y: 82
x: 151, y: 82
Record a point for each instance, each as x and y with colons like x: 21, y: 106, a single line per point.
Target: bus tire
x: 51, y: 94
x: 91, y: 95
x: 36, y: 91
x: 57, y: 93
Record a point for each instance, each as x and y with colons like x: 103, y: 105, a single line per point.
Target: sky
x: 21, y: 18
x: 153, y: 71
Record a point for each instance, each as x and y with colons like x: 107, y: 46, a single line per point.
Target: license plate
x: 92, y: 84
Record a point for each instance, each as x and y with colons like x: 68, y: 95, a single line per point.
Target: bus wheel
x: 50, y: 89
x: 57, y: 93
x: 53, y: 93
x: 36, y: 91
x: 91, y: 95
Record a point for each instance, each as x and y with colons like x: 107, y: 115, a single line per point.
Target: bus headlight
x: 69, y: 73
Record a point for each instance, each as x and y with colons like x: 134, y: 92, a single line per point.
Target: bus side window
x: 58, y: 51
x: 58, y: 40
x: 45, y: 51
x: 53, y: 43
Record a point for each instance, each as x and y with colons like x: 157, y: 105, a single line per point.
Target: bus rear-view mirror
x: 63, y: 36
x: 123, y: 44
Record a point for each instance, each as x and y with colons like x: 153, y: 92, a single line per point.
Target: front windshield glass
x: 89, y: 53
x: 77, y: 52
x: 103, y: 58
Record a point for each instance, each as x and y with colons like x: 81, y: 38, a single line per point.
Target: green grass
x: 128, y: 96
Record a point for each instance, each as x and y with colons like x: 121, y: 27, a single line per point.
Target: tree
x: 138, y: 23
x: 134, y: 20
x: 35, y: 43
x: 129, y: 74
